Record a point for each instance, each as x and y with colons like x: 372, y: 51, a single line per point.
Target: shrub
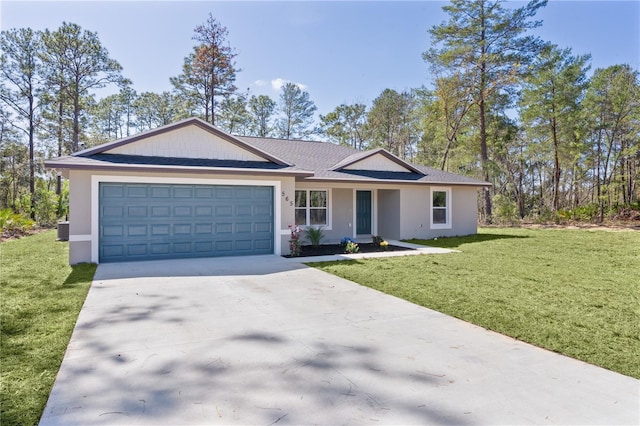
x: 314, y: 235
x: 505, y: 210
x: 11, y: 222
x: 45, y: 207
x: 377, y: 239
x: 351, y: 247
x: 345, y: 240
x: 295, y: 245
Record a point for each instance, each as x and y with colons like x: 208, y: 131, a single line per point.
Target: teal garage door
x: 157, y: 221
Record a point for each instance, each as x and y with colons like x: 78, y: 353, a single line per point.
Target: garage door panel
x: 160, y: 212
x: 182, y: 248
x: 113, y: 250
x: 157, y: 221
x: 160, y: 191
x: 223, y: 210
x: 204, y: 192
x: 182, y: 211
x: 182, y: 192
x: 112, y: 211
x: 160, y: 248
x: 224, y: 246
x: 136, y: 191
x: 224, y: 228
x: 203, y: 229
x: 136, y: 249
x: 224, y: 193
x: 112, y: 231
x: 136, y: 230
x: 203, y: 246
x: 261, y: 210
x: 160, y: 230
x: 263, y: 244
x: 243, y: 228
x: 262, y: 227
x: 244, y: 210
x: 137, y: 211
x: 204, y: 211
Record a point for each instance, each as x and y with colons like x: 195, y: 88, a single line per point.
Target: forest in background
x: 556, y: 141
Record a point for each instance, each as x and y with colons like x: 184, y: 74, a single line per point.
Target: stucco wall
x: 83, y: 242
x: 464, y: 210
x: 389, y: 200
x: 389, y: 213
x: 414, y: 204
x: 341, y: 215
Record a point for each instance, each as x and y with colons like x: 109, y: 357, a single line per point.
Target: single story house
x: 189, y: 189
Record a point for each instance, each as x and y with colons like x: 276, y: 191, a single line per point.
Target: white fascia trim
x: 95, y: 196
x: 446, y: 190
x: 374, y: 211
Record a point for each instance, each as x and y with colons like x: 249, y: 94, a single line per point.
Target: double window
x: 440, y: 202
x: 311, y: 207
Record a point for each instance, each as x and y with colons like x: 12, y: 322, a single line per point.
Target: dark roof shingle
x: 322, y: 157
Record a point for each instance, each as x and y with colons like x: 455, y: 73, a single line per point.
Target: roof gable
x: 191, y: 138
x: 377, y: 160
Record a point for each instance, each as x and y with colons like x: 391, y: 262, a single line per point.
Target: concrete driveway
x: 265, y: 340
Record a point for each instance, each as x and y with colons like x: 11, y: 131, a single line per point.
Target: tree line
x: 503, y: 105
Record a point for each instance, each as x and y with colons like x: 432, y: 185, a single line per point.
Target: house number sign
x: 286, y: 198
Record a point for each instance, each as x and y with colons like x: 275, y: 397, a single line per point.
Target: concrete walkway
x: 265, y: 340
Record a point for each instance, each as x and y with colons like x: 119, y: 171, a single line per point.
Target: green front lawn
x: 41, y: 296
x: 575, y: 292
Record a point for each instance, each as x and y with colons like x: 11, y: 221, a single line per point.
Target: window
x: 311, y: 207
x: 440, y: 208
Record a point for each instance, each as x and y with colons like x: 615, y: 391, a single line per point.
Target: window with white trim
x: 440, y: 208
x: 311, y: 207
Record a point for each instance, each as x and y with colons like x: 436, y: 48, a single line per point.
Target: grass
x: 41, y: 297
x: 575, y: 292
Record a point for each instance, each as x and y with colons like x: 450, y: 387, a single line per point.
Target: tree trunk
x: 484, y: 157
x: 32, y: 167
x: 76, y: 120
x: 60, y: 142
x: 446, y: 153
x: 556, y: 165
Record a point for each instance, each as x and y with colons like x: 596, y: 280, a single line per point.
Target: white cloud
x: 276, y: 84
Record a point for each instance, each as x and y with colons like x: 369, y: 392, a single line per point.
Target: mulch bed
x: 328, y: 249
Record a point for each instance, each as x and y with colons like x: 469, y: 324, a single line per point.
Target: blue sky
x: 338, y: 51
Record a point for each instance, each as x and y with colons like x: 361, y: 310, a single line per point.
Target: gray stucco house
x: 189, y: 189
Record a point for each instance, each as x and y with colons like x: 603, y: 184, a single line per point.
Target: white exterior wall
x: 83, y: 204
x: 389, y: 218
x: 464, y: 213
x: 416, y: 201
x: 400, y: 212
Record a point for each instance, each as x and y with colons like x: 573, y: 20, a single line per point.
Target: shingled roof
x: 306, y: 160
x: 326, y: 160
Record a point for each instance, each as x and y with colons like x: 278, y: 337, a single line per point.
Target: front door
x: 363, y: 212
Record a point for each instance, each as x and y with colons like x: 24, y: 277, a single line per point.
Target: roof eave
x: 404, y: 182
x: 178, y: 169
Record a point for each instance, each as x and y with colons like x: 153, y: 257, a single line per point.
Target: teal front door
x: 363, y: 212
